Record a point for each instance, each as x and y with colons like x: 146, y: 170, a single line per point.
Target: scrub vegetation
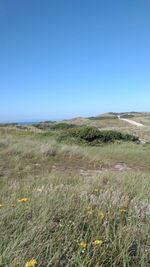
x: 92, y: 136
x: 71, y: 205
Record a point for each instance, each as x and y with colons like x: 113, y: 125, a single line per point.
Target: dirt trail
x: 131, y: 122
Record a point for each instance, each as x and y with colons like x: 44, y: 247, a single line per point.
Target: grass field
x: 73, y: 206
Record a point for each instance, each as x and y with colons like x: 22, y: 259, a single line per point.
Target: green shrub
x: 54, y: 126
x: 8, y: 124
x: 127, y: 116
x: 91, y: 135
x: 62, y: 126
x: 102, y: 118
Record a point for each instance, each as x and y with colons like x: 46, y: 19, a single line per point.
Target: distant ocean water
x: 21, y: 122
x: 27, y: 122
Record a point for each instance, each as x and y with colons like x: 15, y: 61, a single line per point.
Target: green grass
x: 99, y: 122
x: 65, y: 208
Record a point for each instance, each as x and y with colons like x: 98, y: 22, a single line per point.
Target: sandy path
x: 131, y: 122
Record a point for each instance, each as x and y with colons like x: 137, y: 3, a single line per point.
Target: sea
x: 20, y: 123
x: 27, y: 122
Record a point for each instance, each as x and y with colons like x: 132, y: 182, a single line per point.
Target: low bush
x: 54, y: 126
x: 8, y: 124
x: 127, y: 116
x: 91, y: 135
x: 62, y: 126
x: 102, y: 118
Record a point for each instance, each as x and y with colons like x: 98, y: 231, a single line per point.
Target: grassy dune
x: 110, y: 122
x: 73, y: 206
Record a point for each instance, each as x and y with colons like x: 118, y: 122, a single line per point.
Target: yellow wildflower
x: 89, y: 210
x: 83, y: 245
x: 101, y: 215
x: 31, y: 263
x: 97, y: 242
x: 1, y: 206
x: 23, y: 200
x: 96, y: 191
x: 123, y: 210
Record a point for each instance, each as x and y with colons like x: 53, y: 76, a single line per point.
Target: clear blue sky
x: 67, y: 58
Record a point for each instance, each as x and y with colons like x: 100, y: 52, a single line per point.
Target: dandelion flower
x: 23, y: 200
x: 31, y: 263
x: 83, y: 245
x: 97, y: 242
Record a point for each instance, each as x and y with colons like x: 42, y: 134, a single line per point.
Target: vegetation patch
x: 8, y: 124
x: 53, y: 215
x: 127, y: 116
x: 91, y: 135
x: 102, y: 118
x: 54, y: 126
